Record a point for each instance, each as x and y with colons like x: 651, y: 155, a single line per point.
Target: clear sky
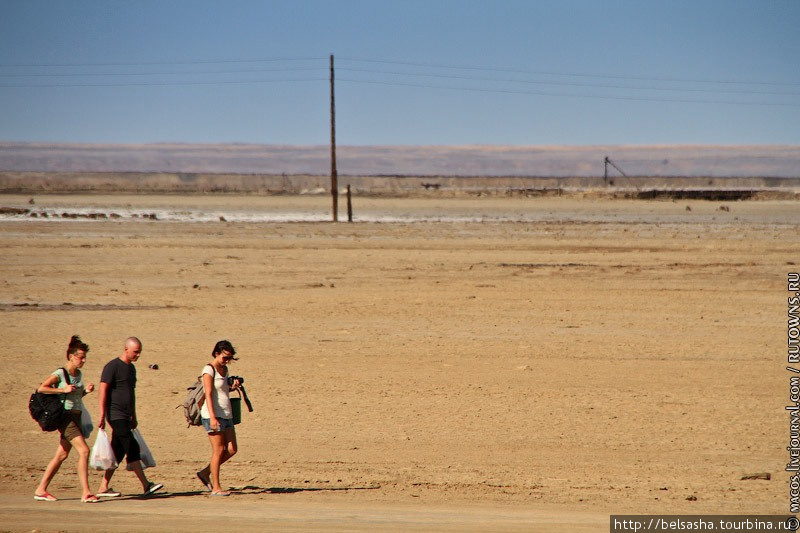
x: 413, y: 72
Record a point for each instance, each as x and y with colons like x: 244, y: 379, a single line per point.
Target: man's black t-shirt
x: 121, y: 399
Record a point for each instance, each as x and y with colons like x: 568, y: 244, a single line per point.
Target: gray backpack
x: 194, y: 401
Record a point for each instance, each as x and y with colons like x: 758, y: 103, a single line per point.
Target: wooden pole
x: 349, y: 204
x: 334, y: 175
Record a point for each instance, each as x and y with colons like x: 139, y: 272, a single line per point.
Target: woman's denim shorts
x: 224, y: 423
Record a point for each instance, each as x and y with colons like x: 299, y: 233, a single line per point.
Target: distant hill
x: 545, y: 161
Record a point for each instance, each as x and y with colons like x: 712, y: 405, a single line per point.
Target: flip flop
x: 46, y: 497
x: 205, y: 482
x: 108, y: 493
x: 221, y: 493
x: 153, y: 487
x: 90, y: 499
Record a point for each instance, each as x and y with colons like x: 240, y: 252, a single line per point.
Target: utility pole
x: 334, y: 175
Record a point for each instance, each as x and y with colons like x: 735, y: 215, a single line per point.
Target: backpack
x: 48, y: 409
x: 195, y: 398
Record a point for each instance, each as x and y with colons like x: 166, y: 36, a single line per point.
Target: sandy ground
x: 558, y: 362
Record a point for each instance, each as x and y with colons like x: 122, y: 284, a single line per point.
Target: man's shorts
x: 123, y: 442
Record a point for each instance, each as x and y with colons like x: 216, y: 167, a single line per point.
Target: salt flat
x: 556, y: 362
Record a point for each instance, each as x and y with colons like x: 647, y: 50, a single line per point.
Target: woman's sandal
x: 46, y: 497
x: 91, y: 498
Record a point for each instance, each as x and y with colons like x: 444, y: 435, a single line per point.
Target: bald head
x: 133, y: 349
x: 133, y: 341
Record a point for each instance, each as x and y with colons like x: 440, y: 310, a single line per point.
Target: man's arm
x: 134, y: 421
x: 103, y: 398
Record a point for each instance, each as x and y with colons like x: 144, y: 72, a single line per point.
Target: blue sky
x: 428, y: 72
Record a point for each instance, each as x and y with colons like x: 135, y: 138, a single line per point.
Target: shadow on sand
x: 247, y: 490
x: 251, y: 489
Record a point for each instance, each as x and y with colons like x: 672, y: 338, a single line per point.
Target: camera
x: 232, y: 379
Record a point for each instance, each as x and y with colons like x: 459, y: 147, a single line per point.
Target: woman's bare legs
x: 55, y: 463
x: 79, y: 443
x: 223, y: 447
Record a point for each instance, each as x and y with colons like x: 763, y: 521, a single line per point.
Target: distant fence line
x: 141, y: 182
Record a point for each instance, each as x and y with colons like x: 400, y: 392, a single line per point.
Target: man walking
x: 118, y: 406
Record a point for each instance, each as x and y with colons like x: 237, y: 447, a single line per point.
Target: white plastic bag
x: 86, y: 424
x: 102, y: 456
x: 144, y: 451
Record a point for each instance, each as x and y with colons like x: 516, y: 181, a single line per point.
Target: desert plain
x: 453, y: 364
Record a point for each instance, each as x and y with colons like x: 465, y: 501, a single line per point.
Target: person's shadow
x: 248, y: 489
x: 252, y: 489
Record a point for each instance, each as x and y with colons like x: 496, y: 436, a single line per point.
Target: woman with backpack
x: 68, y: 382
x: 217, y: 415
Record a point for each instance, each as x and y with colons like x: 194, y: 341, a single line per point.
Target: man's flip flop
x: 153, y: 487
x: 205, y: 482
x: 46, y: 497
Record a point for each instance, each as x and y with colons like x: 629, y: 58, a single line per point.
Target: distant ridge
x: 479, y: 160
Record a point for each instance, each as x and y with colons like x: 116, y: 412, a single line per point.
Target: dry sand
x: 589, y: 358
